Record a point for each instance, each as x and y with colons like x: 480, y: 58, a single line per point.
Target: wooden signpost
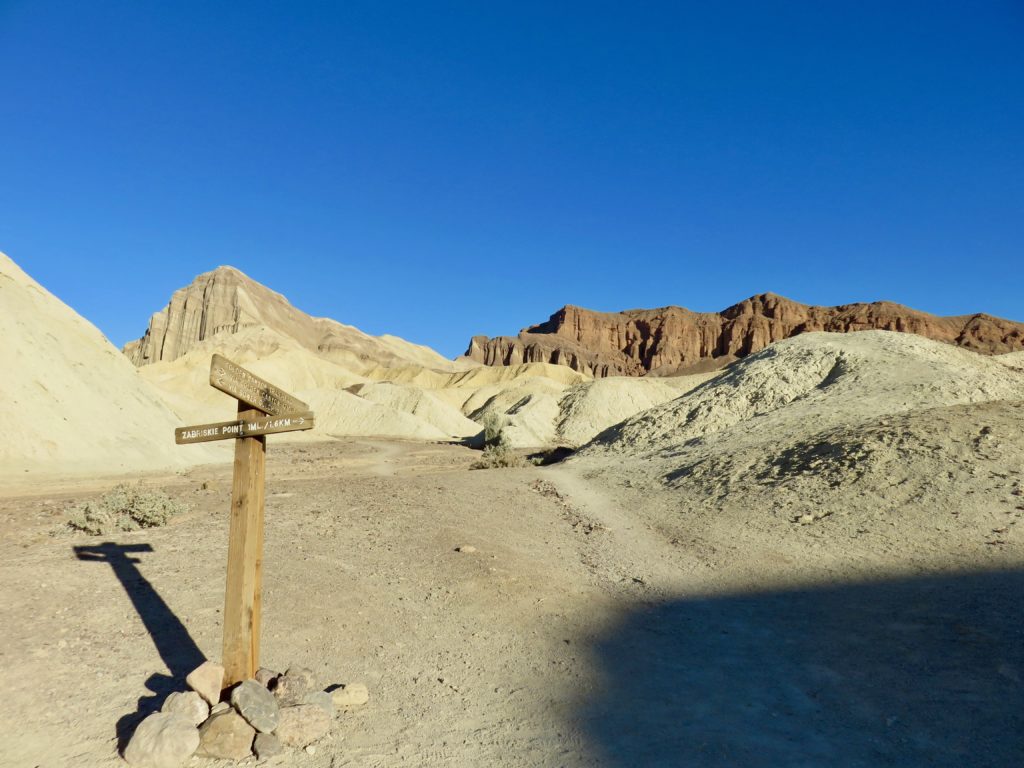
x: 263, y: 409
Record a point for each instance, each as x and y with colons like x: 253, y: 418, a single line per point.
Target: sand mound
x: 540, y: 412
x: 484, y: 375
x: 343, y: 413
x: 588, y: 409
x: 526, y: 410
x: 420, y: 354
x: 478, y: 375
x: 911, y: 464
x: 184, y: 383
x: 527, y: 423
x: 367, y: 408
x: 861, y: 437
x: 499, y: 398
x: 72, y: 401
x: 1012, y: 360
x: 421, y: 404
x: 413, y: 375
x: 818, y: 379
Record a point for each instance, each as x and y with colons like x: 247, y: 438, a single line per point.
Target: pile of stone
x: 263, y: 717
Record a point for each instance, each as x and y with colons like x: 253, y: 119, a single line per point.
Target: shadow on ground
x: 917, y: 672
x: 172, y: 640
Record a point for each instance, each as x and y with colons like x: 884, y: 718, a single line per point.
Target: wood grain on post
x: 242, y: 599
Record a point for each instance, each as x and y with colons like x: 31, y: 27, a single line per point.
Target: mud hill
x: 675, y: 340
x: 71, y: 401
x: 847, y: 425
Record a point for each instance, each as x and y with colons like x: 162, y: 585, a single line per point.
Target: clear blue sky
x: 440, y: 169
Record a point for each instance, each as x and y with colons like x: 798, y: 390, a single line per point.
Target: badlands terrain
x: 802, y: 549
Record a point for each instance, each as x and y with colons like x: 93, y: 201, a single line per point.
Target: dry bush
x: 493, y: 424
x: 498, y: 451
x: 125, y: 508
x: 496, y: 456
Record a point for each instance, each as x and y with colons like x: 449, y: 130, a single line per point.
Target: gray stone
x: 322, y: 699
x: 302, y: 724
x: 207, y: 680
x: 350, y: 696
x: 267, y: 745
x: 226, y: 736
x: 162, y: 740
x: 220, y: 706
x: 256, y: 704
x: 266, y: 677
x: 188, y: 704
x: 291, y: 687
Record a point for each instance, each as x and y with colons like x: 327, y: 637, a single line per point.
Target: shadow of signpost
x: 172, y: 640
x: 915, y: 672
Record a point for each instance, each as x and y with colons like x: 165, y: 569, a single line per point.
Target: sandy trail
x: 385, y: 457
x: 622, y: 546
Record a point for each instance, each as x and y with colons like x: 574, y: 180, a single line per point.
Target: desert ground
x: 594, y: 624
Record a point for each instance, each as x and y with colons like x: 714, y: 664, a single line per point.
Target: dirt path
x: 623, y: 549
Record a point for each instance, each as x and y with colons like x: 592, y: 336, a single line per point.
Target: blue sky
x: 440, y: 169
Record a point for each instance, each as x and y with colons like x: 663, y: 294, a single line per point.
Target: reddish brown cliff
x: 673, y: 339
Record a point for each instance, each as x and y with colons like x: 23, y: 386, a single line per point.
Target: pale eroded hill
x: 71, y: 401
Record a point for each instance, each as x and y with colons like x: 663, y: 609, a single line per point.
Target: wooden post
x: 257, y: 399
x: 242, y: 600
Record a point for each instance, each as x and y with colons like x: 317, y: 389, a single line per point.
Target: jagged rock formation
x: 226, y: 301
x: 674, y: 340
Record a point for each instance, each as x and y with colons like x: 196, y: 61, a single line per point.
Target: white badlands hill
x: 71, y: 401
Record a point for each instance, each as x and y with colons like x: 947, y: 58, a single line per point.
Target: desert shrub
x: 125, y: 508
x: 498, y: 451
x: 495, y: 456
x: 493, y: 424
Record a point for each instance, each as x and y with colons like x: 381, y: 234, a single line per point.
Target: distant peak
x: 770, y: 297
x: 225, y: 270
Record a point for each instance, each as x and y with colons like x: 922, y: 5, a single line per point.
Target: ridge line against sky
x: 449, y: 169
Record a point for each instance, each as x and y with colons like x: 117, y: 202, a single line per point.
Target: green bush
x: 125, y: 508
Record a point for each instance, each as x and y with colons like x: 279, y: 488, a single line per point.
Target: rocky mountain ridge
x: 225, y: 301
x: 672, y: 339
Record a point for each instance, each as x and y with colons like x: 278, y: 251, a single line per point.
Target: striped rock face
x: 673, y: 340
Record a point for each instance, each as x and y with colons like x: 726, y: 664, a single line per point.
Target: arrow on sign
x: 234, y: 380
x: 226, y: 430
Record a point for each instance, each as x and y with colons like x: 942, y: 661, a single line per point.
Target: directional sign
x: 225, y: 430
x: 249, y: 388
x: 242, y: 588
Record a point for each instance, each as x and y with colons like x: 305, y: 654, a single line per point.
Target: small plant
x: 493, y: 425
x: 495, y: 456
x: 125, y: 508
x: 498, y: 451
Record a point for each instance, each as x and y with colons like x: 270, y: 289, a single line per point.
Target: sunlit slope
x: 70, y: 400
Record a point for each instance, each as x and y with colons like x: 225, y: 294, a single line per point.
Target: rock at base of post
x: 162, y: 740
